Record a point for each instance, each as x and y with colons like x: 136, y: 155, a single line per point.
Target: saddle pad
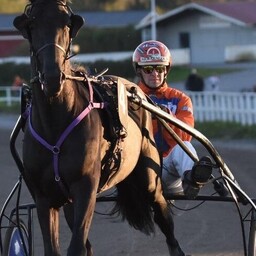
x: 122, y: 103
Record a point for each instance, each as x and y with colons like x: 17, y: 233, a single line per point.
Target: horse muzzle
x: 51, y: 84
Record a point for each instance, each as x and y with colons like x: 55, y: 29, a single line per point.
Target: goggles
x: 149, y: 69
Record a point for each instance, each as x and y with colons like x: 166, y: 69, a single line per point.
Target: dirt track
x: 211, y: 229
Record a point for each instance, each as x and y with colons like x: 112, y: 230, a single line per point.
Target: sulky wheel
x: 252, y: 235
x: 16, y: 243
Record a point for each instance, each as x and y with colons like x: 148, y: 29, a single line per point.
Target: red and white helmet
x: 152, y: 53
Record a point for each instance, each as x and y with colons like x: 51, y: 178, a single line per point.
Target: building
x: 207, y: 33
x: 10, y: 38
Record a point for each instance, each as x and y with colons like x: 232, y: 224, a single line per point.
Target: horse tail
x: 133, y: 203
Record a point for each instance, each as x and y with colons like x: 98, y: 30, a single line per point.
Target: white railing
x: 9, y: 95
x: 237, y: 107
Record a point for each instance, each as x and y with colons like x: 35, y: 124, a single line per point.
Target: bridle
x: 35, y: 53
x: 51, y: 44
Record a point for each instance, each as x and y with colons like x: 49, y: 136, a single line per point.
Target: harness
x: 55, y: 149
x: 111, y: 161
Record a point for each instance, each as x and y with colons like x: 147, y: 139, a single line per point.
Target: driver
x: 180, y: 175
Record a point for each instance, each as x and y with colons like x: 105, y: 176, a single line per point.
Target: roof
x: 241, y: 13
x: 92, y: 19
x: 113, y: 19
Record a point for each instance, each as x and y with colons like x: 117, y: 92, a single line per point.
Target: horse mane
x: 79, y: 69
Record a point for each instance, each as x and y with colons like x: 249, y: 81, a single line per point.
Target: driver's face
x: 153, y: 75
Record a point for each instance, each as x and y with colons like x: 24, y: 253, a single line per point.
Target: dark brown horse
x: 69, y: 143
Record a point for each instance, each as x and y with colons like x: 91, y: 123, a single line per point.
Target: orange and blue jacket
x: 179, y: 105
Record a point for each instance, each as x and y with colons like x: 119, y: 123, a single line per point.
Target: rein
x: 55, y: 149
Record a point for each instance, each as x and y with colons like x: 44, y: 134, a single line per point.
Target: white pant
x: 174, y: 166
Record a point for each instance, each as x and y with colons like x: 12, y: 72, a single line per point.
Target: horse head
x: 49, y: 26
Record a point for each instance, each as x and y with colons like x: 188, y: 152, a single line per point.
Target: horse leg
x: 162, y: 214
x: 49, y: 223
x: 89, y: 248
x: 83, y: 193
x: 163, y: 218
x: 69, y: 216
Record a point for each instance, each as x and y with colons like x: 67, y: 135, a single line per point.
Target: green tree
x: 107, y: 40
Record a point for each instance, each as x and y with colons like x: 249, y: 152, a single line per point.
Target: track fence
x: 9, y: 95
x: 237, y: 107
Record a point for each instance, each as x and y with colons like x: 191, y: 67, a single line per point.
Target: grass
x: 178, y: 74
x: 226, y: 130
x: 13, y: 109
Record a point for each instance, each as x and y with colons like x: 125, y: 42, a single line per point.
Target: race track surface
x: 212, y: 228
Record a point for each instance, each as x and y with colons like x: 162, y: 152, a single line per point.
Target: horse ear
x: 20, y: 22
x: 77, y: 23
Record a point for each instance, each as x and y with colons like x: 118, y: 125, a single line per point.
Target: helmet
x: 151, y: 53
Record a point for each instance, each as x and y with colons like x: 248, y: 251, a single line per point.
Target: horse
x: 71, y: 153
